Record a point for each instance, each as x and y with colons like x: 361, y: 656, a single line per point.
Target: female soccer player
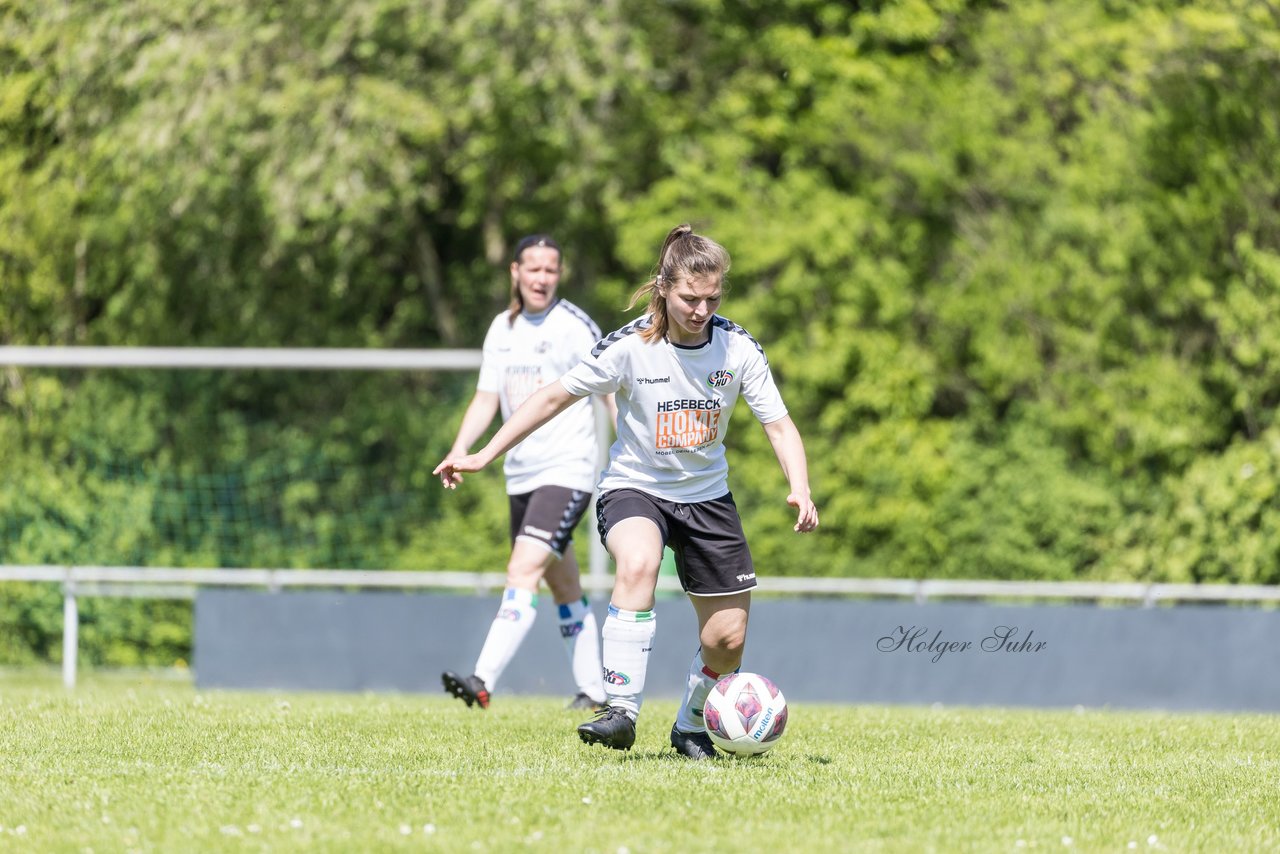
x: 549, y: 477
x: 677, y: 372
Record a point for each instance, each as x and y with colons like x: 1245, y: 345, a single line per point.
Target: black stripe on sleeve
x: 729, y: 326
x: 581, y: 315
x: 614, y: 337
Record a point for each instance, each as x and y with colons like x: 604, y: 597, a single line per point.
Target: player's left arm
x: 789, y: 448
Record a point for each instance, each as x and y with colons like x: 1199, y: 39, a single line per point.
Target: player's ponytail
x: 683, y: 254
x: 515, y: 306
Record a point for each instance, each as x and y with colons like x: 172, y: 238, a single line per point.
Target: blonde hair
x: 684, y: 255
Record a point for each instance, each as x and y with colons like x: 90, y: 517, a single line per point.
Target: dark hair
x: 517, y: 301
x: 684, y: 254
x: 535, y: 240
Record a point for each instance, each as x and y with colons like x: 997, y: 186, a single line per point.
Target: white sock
x: 582, y: 643
x: 628, y: 640
x: 701, y: 680
x: 514, y: 619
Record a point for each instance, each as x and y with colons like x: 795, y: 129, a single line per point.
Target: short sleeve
x: 758, y: 388
x: 594, y: 375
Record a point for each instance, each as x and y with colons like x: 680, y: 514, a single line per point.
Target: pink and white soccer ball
x: 745, y: 714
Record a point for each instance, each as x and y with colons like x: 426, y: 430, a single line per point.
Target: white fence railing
x: 179, y: 583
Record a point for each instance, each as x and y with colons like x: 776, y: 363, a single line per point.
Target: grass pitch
x: 148, y: 763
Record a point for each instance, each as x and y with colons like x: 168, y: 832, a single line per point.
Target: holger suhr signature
x: 917, y: 639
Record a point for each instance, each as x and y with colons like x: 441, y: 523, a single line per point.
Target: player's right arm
x: 475, y: 421
x: 543, y: 405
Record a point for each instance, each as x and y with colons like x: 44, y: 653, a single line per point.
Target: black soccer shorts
x: 712, y: 557
x: 548, y: 516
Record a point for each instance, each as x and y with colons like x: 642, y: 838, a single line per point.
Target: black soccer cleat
x: 583, y: 702
x: 694, y: 745
x: 470, y: 689
x: 611, y: 727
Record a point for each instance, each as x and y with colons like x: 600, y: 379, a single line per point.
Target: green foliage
x: 1216, y: 521
x: 1016, y: 266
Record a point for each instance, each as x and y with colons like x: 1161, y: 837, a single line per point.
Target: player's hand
x: 807, y: 513
x: 451, y: 468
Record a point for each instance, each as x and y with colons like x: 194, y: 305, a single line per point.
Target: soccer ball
x: 745, y: 714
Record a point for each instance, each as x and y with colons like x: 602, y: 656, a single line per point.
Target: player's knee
x: 523, y: 573
x: 634, y: 583
x: 635, y: 573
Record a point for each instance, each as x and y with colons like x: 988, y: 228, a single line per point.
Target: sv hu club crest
x: 719, y: 379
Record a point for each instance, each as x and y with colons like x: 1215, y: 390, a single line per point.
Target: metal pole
x: 70, y: 632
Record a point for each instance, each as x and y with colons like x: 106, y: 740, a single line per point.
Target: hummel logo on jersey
x: 543, y: 346
x: 719, y: 379
x: 652, y: 380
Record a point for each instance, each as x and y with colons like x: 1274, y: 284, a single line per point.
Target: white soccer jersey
x: 674, y: 405
x: 518, y: 360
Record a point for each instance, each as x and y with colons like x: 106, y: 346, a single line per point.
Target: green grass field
x: 148, y: 763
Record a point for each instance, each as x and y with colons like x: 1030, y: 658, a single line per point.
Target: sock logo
x: 570, y: 630
x: 613, y: 677
x: 510, y: 614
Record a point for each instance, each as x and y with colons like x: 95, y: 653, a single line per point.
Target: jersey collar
x: 540, y: 316
x: 711, y: 331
